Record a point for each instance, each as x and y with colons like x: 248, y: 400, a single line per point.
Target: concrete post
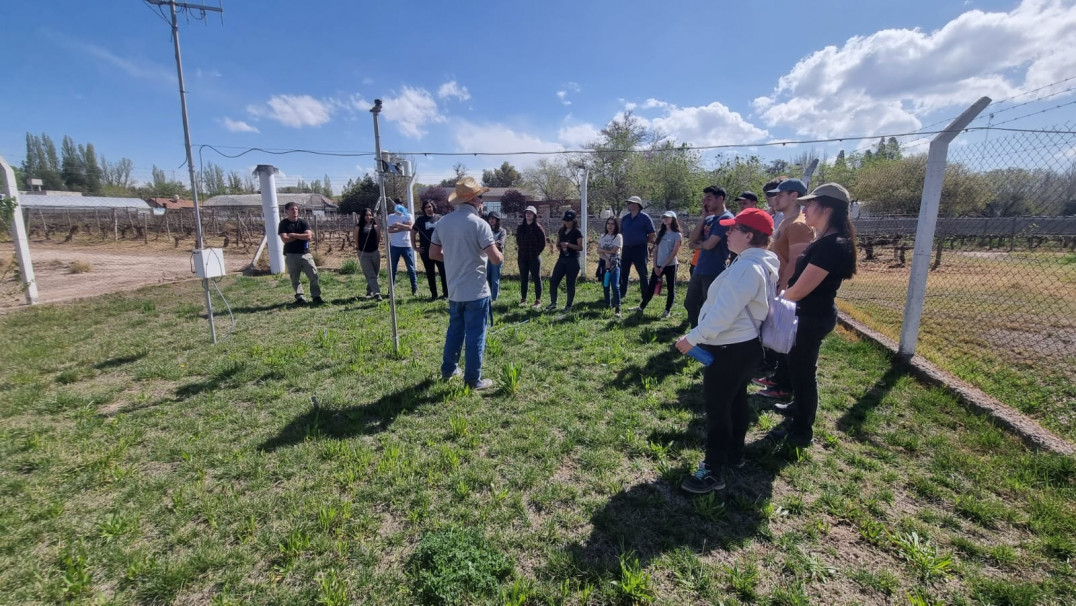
x: 271, y: 213
x: 928, y: 221
x: 18, y: 233
x: 583, y: 223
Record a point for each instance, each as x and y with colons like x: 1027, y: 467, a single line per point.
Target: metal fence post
x: 18, y: 233
x: 928, y: 220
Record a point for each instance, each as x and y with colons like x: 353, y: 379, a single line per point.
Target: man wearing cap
x: 638, y: 230
x: 466, y: 244
x: 709, y: 238
x: 748, y: 199
x: 789, y: 241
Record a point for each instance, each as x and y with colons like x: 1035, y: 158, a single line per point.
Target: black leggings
x: 724, y: 391
x: 431, y: 268
x: 566, y: 267
x: 530, y: 269
x: 669, y: 273
x: 803, y: 364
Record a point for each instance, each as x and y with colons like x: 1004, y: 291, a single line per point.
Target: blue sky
x: 516, y: 76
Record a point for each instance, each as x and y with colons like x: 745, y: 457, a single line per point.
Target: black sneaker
x: 703, y: 481
x: 794, y: 438
x: 319, y: 301
x: 551, y: 307
x: 785, y: 408
x: 300, y: 300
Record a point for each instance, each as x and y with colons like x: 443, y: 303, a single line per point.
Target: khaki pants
x: 371, y: 265
x: 303, y: 264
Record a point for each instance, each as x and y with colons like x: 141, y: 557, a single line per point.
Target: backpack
x: 778, y: 330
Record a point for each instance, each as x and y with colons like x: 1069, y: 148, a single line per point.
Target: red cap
x: 755, y: 218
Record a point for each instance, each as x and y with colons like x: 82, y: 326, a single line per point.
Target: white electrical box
x: 209, y: 262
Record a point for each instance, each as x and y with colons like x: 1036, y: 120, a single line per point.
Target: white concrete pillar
x: 271, y: 213
x: 18, y: 233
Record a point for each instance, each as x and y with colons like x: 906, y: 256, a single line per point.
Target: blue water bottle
x: 605, y: 280
x: 700, y: 354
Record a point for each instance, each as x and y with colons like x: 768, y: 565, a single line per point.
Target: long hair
x: 362, y: 218
x: 616, y: 226
x: 841, y: 221
x: 674, y: 226
x: 564, y: 230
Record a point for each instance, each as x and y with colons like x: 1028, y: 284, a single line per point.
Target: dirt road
x: 108, y: 272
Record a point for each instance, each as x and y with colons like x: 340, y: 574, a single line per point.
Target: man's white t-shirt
x: 400, y: 239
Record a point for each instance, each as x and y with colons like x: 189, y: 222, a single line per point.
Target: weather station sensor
x: 208, y: 262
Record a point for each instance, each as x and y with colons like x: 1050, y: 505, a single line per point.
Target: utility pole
x: 200, y: 243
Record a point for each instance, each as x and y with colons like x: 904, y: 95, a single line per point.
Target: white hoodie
x: 737, y: 300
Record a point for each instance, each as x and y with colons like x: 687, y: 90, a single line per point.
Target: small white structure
x: 271, y: 212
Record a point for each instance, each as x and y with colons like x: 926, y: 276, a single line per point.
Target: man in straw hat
x: 465, y: 242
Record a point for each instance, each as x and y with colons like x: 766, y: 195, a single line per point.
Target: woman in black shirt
x: 423, y: 231
x: 569, y: 243
x: 530, y: 242
x: 825, y: 263
x: 368, y: 242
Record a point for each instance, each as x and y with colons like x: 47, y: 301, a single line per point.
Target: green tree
x: 550, y: 179
x: 613, y: 163
x: 50, y: 164
x: 93, y: 171
x: 235, y: 183
x: 513, y: 201
x: 212, y: 180
x: 72, y: 169
x: 895, y: 187
x: 505, y: 176
x: 327, y: 186
x: 358, y: 195
x: 162, y: 187
x: 669, y: 175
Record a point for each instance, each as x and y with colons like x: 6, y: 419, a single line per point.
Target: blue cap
x: 789, y: 185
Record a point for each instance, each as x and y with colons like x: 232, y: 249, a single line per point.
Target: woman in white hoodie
x: 736, y: 303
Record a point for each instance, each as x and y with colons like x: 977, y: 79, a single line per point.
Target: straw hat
x: 467, y: 189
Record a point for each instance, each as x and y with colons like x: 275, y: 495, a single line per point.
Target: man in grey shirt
x: 464, y: 241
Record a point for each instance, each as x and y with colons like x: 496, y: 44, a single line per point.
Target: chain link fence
x: 1000, y: 308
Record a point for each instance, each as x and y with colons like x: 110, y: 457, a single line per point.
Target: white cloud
x: 295, y: 111
x: 563, y: 96
x: 886, y: 81
x: 453, y: 90
x: 578, y: 135
x: 136, y: 68
x: 712, y: 124
x: 238, y: 126
x: 210, y: 73
x: 411, y: 110
x: 568, y: 88
x: 498, y: 138
x: 572, y: 86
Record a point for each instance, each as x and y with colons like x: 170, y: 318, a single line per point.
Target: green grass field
x: 139, y: 464
x: 1004, y: 322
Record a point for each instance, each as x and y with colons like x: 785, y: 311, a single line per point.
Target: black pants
x: 432, y: 268
x: 724, y: 391
x: 669, y: 273
x: 803, y: 366
x: 530, y: 269
x: 697, y: 288
x: 633, y: 256
x: 566, y: 267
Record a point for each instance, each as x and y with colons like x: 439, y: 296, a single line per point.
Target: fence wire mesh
x: 1000, y: 309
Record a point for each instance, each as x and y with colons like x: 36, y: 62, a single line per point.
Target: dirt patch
x: 109, y: 271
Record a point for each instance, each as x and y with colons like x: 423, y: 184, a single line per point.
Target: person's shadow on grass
x: 650, y: 519
x: 358, y: 419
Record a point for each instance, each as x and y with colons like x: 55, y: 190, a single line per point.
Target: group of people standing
x: 767, y: 260
x: 805, y: 249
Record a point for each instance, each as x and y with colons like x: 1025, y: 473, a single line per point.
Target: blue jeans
x: 493, y: 276
x: 466, y: 326
x: 408, y: 254
x: 612, y: 285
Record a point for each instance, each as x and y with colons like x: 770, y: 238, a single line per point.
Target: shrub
x: 349, y: 267
x: 79, y: 267
x: 456, y: 566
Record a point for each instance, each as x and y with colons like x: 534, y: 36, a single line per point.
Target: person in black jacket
x: 530, y: 242
x: 423, y: 231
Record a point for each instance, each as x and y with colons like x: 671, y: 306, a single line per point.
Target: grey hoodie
x: 737, y: 300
